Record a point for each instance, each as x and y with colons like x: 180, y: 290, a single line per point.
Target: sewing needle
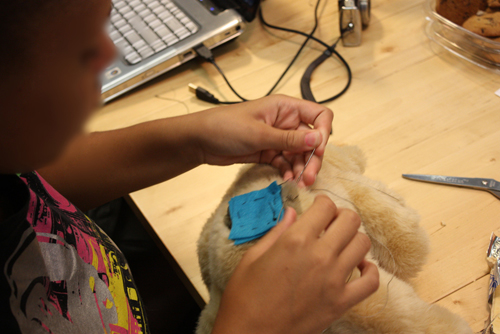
x: 305, y: 166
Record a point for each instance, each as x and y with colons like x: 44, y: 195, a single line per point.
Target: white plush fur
x: 390, y: 224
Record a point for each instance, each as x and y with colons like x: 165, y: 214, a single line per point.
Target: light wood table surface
x: 412, y: 108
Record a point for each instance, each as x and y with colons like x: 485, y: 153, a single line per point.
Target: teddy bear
x: 399, y: 247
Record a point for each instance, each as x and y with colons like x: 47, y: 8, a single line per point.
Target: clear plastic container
x: 479, y: 50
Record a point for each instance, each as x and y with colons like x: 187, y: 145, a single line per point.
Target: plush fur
x: 399, y: 247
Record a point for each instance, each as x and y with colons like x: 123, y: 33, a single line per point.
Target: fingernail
x: 313, y: 139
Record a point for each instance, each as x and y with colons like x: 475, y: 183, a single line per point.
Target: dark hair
x: 20, y: 21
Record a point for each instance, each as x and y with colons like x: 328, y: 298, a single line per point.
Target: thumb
x: 292, y: 140
x: 270, y: 238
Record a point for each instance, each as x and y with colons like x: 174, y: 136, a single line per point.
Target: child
x: 61, y: 274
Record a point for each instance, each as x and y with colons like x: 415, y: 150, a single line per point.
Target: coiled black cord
x: 206, y: 54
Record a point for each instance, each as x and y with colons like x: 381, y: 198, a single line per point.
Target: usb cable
x: 205, y: 53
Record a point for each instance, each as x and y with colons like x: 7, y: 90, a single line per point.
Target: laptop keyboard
x: 142, y: 28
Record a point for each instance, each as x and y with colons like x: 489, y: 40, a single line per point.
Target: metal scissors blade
x: 489, y: 185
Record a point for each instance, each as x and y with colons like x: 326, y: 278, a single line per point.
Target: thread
x: 174, y: 100
x: 381, y: 244
x: 372, y: 237
x: 383, y: 192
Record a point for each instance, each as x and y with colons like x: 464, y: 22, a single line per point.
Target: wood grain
x: 412, y: 108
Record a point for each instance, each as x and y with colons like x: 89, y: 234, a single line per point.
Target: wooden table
x: 412, y: 108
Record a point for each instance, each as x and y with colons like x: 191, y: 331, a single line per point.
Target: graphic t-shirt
x: 60, y: 273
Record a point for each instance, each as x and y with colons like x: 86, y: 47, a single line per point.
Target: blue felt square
x: 244, y: 240
x: 255, y: 213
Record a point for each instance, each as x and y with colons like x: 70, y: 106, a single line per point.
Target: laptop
x: 154, y: 36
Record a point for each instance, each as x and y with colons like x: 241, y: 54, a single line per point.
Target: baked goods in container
x: 458, y: 11
x: 486, y: 24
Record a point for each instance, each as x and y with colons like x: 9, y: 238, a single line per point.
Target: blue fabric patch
x: 255, y: 213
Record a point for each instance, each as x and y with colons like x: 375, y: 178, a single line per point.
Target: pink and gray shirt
x: 60, y: 272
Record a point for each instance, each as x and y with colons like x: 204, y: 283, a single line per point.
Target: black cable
x: 349, y: 79
x: 305, y: 81
x: 202, y: 51
x: 227, y: 81
x: 206, y: 54
x: 305, y: 88
x: 301, y: 47
x: 261, y: 17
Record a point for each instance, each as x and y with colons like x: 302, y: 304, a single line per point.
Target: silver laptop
x: 154, y: 36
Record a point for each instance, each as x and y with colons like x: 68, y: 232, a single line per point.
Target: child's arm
x: 99, y: 167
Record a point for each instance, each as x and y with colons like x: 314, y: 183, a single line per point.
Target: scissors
x: 489, y: 185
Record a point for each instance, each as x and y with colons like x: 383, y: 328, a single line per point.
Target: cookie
x: 494, y: 3
x: 458, y: 11
x: 487, y: 25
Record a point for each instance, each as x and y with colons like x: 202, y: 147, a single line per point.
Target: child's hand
x: 273, y: 130
x: 293, y: 280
